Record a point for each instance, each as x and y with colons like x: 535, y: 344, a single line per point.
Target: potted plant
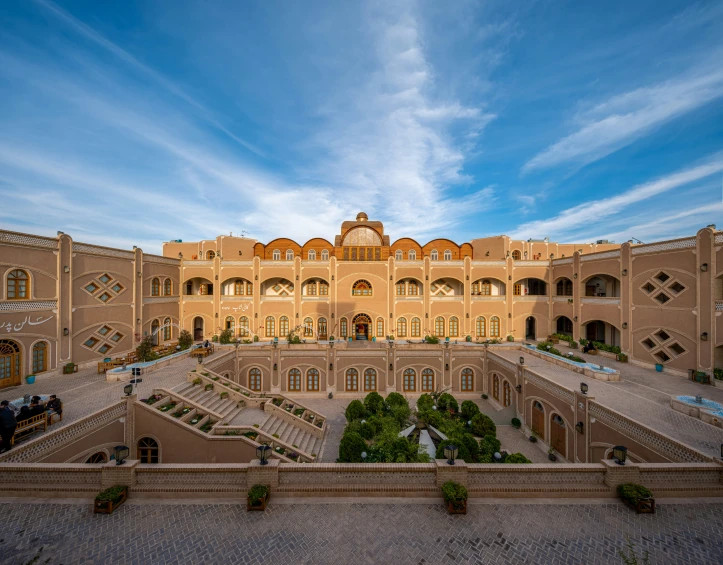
x: 110, y: 499
x: 551, y: 454
x: 30, y: 379
x: 455, y: 497
x: 637, y: 497
x: 533, y: 437
x: 468, y: 338
x: 516, y: 423
x: 258, y: 498
x: 69, y: 368
x: 485, y: 397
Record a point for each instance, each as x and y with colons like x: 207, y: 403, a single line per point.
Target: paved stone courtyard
x: 544, y: 533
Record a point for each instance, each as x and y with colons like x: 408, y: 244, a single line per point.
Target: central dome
x: 361, y: 217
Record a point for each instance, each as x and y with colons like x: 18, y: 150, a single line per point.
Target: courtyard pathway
x: 341, y: 533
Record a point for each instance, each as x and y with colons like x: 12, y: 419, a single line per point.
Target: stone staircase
x: 291, y: 434
x: 225, y: 409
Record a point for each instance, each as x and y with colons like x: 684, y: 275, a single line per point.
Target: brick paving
x: 359, y: 533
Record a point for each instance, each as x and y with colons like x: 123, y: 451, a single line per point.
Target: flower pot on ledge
x: 457, y: 506
x: 260, y: 506
x: 107, y: 506
x: 643, y: 506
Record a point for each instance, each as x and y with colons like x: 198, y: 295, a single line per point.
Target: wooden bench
x: 103, y: 366
x: 31, y: 425
x: 201, y: 352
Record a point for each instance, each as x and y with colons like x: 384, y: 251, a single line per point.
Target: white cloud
x: 596, y: 211
x: 622, y: 119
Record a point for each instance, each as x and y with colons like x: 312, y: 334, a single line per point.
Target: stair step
x: 268, y: 422
x: 289, y: 434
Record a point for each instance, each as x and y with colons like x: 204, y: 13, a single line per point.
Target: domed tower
x: 362, y: 217
x: 362, y: 240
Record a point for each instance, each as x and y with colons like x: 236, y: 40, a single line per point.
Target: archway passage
x: 362, y: 323
x: 9, y: 363
x: 198, y: 328
x: 530, y: 330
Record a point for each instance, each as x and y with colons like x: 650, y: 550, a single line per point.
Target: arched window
x: 167, y: 329
x: 342, y: 328
x: 203, y: 289
x: 321, y: 328
x: 447, y: 255
x: 238, y: 288
x: 155, y: 326
x: 276, y: 255
x: 495, y: 387
x: 380, y: 327
x: 398, y: 255
x: 412, y: 288
x: 243, y: 326
x: 564, y: 287
x: 324, y: 255
x: 352, y: 380
x: 427, y: 380
x: 312, y: 255
x: 155, y: 287
x: 439, y: 326
x: 98, y: 457
x: 416, y: 328
x: 9, y: 362
x: 255, y: 379
x: 148, y: 450
x: 211, y: 255
x: 402, y: 327
x: 480, y: 326
x: 410, y: 380
x: 230, y: 323
x: 311, y: 288
x: 401, y: 288
x: 412, y: 255
x: 494, y: 326
x: 467, y: 384
x: 40, y: 357
x: 485, y: 288
x: 516, y: 255
x: 434, y: 255
x: 289, y: 255
x: 507, y: 396
x: 453, y: 327
x: 18, y: 285
x: 308, y: 327
x: 294, y: 380
x: 270, y: 326
x: 361, y: 288
x: 370, y: 380
x: 283, y: 326
x: 167, y: 287
x: 312, y: 380
x: 323, y: 288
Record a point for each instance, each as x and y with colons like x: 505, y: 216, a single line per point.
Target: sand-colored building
x: 62, y: 301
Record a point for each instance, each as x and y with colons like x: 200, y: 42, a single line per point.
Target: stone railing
x: 719, y: 305
x: 25, y: 239
x: 197, y: 263
x: 531, y: 298
x: 160, y: 299
x: 28, y: 305
x: 104, y: 251
x: 208, y: 297
x: 673, y: 245
x: 562, y: 261
x: 600, y: 300
x: 148, y: 258
x: 600, y: 256
x: 388, y: 480
x: 50, y: 442
x: 489, y: 298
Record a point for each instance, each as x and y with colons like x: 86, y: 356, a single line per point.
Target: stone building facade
x: 62, y: 301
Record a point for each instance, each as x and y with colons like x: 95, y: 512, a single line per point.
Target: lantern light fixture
x: 522, y: 360
x: 262, y: 452
x: 128, y: 389
x: 620, y: 454
x: 450, y: 452
x: 584, y: 388
x: 580, y: 427
x: 121, y: 452
x: 518, y: 388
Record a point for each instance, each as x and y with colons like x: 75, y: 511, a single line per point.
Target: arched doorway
x: 154, y: 331
x: 557, y: 435
x: 530, y: 328
x: 361, y: 323
x: 198, y: 328
x: 10, y: 368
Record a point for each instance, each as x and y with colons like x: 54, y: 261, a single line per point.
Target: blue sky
x: 132, y: 123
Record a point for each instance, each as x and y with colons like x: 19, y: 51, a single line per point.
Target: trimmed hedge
x: 483, y: 425
x: 469, y: 409
x: 355, y: 411
x: 351, y: 447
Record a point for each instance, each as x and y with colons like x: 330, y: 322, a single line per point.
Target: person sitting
x: 589, y: 346
x: 24, y: 414
x: 205, y: 344
x: 54, y: 405
x: 39, y: 401
x: 36, y: 408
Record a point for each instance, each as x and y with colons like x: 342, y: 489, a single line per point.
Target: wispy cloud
x: 624, y: 118
x: 592, y: 213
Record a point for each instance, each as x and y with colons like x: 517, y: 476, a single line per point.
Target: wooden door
x: 538, y: 420
x: 557, y: 435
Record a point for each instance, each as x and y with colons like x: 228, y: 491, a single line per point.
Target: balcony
x: 197, y: 297
x: 413, y: 297
x: 488, y: 298
x: 277, y: 299
x: 561, y: 298
x: 447, y: 298
x: 314, y: 298
x: 531, y: 298
x: 601, y: 300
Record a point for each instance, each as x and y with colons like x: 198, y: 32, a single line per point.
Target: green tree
x: 469, y: 409
x: 374, y: 403
x: 447, y: 402
x: 226, y: 336
x: 483, y: 425
x: 425, y: 402
x: 396, y: 399
x: 351, y: 447
x: 355, y: 411
x: 144, y: 351
x: 185, y: 339
x: 517, y: 458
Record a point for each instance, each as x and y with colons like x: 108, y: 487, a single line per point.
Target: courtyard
x: 350, y: 532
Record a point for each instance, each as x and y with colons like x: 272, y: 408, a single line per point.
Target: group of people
x: 11, y: 416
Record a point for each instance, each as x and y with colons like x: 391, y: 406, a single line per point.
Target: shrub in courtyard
x: 374, y: 403
x: 516, y: 422
x: 454, y: 493
x: 355, y: 411
x: 467, y: 448
x: 226, y: 336
x: 185, y: 339
x: 144, y: 351
x: 401, y: 413
x: 366, y: 430
x: 425, y: 402
x: 469, y: 409
x: 632, y: 492
x: 351, y: 447
x: 396, y: 399
x: 431, y: 339
x: 447, y: 402
x: 483, y: 425
x: 431, y: 418
x: 488, y: 446
x: 516, y: 458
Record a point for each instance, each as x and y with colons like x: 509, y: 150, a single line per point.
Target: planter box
x: 258, y: 507
x: 457, y: 507
x: 107, y: 506
x: 69, y: 370
x: 644, y: 506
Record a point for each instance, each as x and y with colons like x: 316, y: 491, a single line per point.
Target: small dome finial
x: 361, y: 217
